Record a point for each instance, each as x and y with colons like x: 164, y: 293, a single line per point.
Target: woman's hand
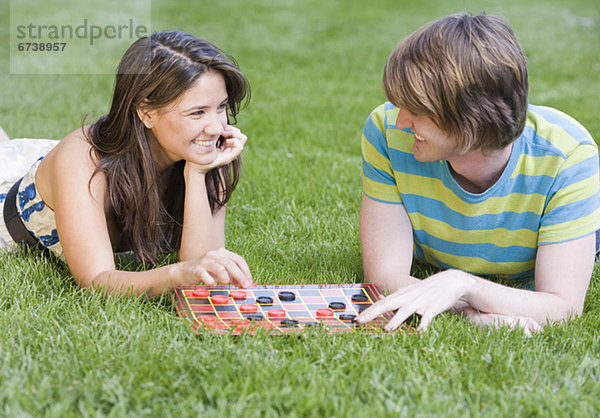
x: 215, y: 267
x: 427, y: 298
x: 231, y: 147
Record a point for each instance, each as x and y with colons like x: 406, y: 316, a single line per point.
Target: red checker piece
x: 248, y: 308
x: 324, y: 313
x: 261, y: 325
x: 208, y: 321
x: 240, y: 325
x: 219, y: 300
x: 240, y: 322
x: 221, y: 325
x: 238, y: 294
x: 276, y: 313
x: 201, y: 292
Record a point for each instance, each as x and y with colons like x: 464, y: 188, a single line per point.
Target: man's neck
x: 476, y: 172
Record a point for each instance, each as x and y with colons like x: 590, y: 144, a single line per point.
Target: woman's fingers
x: 229, y: 151
x: 216, y: 267
x: 225, y: 267
x: 240, y: 263
x: 218, y: 271
x: 230, y: 148
x: 233, y: 144
x: 233, y: 268
x: 231, y: 132
x: 205, y: 277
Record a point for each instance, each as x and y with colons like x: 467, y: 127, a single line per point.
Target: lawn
x: 315, y: 69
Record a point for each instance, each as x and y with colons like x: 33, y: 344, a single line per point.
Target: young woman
x: 152, y: 176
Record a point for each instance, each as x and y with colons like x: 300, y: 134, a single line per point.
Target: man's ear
x: 146, y: 116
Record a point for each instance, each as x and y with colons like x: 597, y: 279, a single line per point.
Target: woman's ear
x: 146, y: 116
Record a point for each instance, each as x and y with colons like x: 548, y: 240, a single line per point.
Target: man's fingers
x: 398, y: 319
x: 426, y: 319
x: 372, y: 312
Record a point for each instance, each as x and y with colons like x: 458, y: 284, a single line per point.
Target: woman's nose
x: 214, y: 126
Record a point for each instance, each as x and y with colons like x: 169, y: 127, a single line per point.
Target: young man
x: 462, y: 173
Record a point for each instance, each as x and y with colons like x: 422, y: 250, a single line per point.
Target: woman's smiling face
x: 190, y: 128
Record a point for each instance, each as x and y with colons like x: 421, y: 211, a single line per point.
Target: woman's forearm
x: 132, y: 283
x: 202, y: 230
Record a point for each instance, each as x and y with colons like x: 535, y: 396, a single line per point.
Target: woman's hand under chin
x: 231, y: 147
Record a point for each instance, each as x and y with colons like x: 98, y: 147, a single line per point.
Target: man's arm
x: 387, y: 244
x: 562, y: 277
x: 563, y: 273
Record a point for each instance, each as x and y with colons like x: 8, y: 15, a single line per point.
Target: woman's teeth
x: 202, y: 143
x: 419, y: 138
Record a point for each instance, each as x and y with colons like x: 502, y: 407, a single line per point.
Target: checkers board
x: 278, y: 309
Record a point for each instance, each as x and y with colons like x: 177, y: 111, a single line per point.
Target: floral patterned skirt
x: 20, y: 158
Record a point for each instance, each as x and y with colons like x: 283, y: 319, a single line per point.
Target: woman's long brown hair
x: 155, y: 71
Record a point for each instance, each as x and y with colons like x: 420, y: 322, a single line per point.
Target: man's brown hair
x: 468, y: 74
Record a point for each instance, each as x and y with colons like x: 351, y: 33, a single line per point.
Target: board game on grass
x: 278, y: 309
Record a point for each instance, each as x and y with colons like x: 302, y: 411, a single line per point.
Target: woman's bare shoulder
x: 71, y: 162
x: 68, y: 169
x: 74, y: 149
x: 77, y: 139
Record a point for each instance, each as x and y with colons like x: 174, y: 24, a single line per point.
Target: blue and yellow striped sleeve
x: 377, y: 175
x: 573, y: 207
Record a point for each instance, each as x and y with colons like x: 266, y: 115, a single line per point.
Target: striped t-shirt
x: 548, y: 193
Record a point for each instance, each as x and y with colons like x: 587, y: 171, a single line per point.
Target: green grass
x: 315, y: 69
